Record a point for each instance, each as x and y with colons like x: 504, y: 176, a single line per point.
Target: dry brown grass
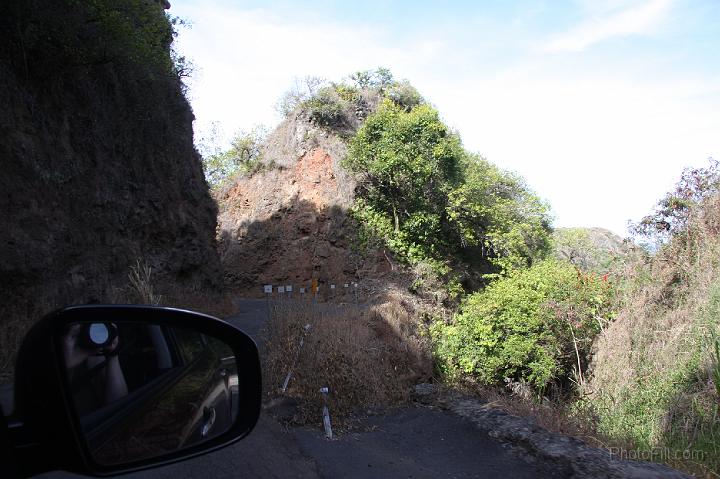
x: 369, y: 358
x: 659, y: 322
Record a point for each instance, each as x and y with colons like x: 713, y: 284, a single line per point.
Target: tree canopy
x: 429, y: 199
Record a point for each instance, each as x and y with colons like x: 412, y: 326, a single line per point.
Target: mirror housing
x: 51, y: 436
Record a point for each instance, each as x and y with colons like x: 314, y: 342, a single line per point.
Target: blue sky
x: 598, y: 104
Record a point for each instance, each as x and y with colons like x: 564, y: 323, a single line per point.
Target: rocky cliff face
x: 98, y: 171
x: 288, y: 223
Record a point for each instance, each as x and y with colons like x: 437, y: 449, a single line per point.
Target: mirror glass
x: 143, y: 390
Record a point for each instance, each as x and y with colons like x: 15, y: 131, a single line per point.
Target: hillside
x: 376, y: 152
x: 478, y: 295
x: 656, y: 370
x: 99, y: 167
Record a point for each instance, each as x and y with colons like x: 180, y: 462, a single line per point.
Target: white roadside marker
x: 326, y: 413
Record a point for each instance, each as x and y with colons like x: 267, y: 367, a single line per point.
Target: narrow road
x: 412, y: 442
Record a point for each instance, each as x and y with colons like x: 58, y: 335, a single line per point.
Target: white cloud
x: 248, y: 59
x: 602, y: 150
x: 601, y: 141
x: 632, y: 20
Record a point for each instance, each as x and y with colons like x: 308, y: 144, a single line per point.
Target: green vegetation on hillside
x: 590, y: 249
x: 342, y: 106
x: 625, y: 336
x: 534, y: 326
x: 622, y: 339
x: 429, y: 200
x: 244, y: 157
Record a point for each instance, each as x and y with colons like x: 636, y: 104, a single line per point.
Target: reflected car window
x: 143, y: 390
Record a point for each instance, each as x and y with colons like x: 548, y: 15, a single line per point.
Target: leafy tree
x: 243, y: 157
x: 535, y: 325
x: 428, y: 199
x: 409, y: 162
x: 404, y: 94
x: 672, y: 213
x: 380, y: 78
x: 497, y: 217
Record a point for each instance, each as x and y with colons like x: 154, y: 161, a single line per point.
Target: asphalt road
x: 412, y: 442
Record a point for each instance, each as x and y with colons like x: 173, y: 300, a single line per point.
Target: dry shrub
x: 368, y: 358
x: 144, y: 286
x: 141, y: 283
x: 663, y: 308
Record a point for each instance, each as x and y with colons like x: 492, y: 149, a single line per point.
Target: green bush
x: 327, y: 108
x: 346, y: 92
x: 535, y: 325
x: 498, y: 218
x: 244, y: 157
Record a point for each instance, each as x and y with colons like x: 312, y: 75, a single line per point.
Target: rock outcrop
x: 288, y: 222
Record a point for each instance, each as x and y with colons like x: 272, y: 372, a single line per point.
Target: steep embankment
x: 656, y: 371
x: 288, y: 223
x: 99, y: 168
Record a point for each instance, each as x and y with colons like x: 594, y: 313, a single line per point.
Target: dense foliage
x: 535, y: 325
x: 429, y: 200
x: 411, y: 162
x: 244, y: 157
x: 497, y: 217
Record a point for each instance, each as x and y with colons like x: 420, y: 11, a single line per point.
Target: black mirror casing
x: 51, y: 438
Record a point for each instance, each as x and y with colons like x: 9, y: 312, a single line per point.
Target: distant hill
x: 591, y: 249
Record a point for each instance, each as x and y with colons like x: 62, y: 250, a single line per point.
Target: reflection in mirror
x: 142, y: 390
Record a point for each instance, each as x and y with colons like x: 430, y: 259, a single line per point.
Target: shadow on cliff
x: 367, y: 343
x: 299, y: 242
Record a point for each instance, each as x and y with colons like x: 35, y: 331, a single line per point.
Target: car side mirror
x: 105, y: 390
